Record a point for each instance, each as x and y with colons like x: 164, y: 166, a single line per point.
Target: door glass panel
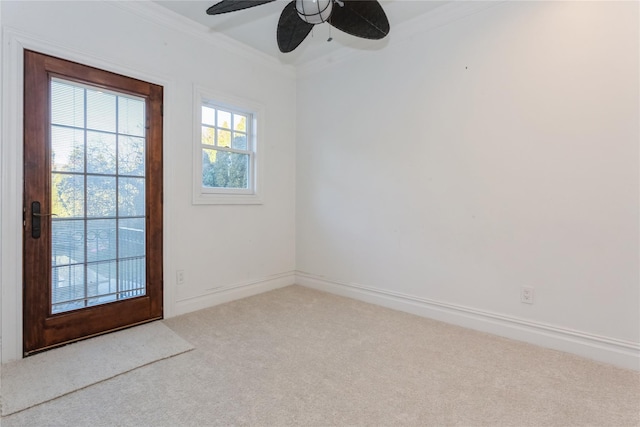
x: 131, y: 238
x: 98, y: 193
x: 100, y: 240
x: 131, y: 156
x: 101, y: 110
x: 101, y: 153
x: 101, y: 196
x: 69, y: 238
x: 67, y: 149
x: 131, y: 197
x: 102, y: 284
x: 68, y: 287
x: 131, y: 117
x: 67, y: 195
x: 67, y: 102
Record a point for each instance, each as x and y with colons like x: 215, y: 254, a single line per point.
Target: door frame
x: 43, y: 329
x: 11, y: 173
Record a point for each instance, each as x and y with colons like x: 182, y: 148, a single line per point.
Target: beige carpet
x: 46, y: 376
x: 296, y: 356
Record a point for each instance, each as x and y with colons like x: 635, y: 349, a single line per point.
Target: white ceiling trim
x: 153, y: 12
x: 438, y: 17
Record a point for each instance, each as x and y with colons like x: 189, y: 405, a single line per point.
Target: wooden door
x: 92, y: 202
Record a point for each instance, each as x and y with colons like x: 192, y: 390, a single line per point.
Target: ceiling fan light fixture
x: 314, y: 11
x: 360, y: 18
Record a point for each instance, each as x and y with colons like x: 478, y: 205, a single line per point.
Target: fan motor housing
x: 314, y: 11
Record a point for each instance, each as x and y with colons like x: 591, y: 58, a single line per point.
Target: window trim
x: 256, y: 139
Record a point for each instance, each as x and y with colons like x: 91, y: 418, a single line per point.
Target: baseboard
x: 625, y: 354
x: 233, y: 292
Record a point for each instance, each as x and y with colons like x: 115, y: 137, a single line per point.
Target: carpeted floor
x: 49, y: 375
x: 296, y: 356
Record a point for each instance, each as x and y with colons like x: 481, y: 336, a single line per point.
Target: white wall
x: 459, y: 164
x: 437, y: 175
x: 225, y: 251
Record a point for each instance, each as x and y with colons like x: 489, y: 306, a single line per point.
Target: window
x: 226, y: 162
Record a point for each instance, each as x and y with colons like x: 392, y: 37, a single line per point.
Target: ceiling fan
x: 360, y: 18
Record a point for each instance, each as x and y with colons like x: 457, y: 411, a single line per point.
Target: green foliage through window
x: 226, y: 152
x: 223, y: 169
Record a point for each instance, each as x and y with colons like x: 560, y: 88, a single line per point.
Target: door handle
x: 36, y: 226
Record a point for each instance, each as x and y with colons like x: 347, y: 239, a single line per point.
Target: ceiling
x: 256, y: 27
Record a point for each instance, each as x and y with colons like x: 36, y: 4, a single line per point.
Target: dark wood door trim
x: 41, y: 329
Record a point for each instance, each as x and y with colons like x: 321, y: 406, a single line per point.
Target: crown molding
x: 160, y: 15
x: 438, y: 17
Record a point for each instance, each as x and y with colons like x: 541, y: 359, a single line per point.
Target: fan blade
x: 291, y: 29
x: 360, y: 18
x: 232, y: 5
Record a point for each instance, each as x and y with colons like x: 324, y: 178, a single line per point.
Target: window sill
x: 227, y: 199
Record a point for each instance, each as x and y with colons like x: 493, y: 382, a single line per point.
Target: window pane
x: 130, y: 156
x: 240, y: 122
x: 67, y: 195
x: 101, y: 196
x: 239, y: 141
x: 101, y: 281
x: 67, y: 149
x: 67, y: 242
x: 131, y: 245
x: 131, y: 197
x: 208, y: 116
x: 132, y: 280
x: 131, y: 117
x: 238, y: 170
x: 101, y: 111
x: 101, y: 153
x: 101, y: 239
x: 131, y: 241
x: 67, y: 285
x: 224, y: 119
x: 67, y: 104
x: 208, y: 160
x: 224, y: 138
x: 208, y: 136
x: 221, y: 169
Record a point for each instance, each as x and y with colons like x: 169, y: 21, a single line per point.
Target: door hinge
x: 24, y: 216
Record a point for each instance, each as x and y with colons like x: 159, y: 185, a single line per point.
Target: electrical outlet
x: 526, y: 295
x: 180, y: 277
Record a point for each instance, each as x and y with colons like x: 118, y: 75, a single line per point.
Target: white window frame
x: 255, y: 139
